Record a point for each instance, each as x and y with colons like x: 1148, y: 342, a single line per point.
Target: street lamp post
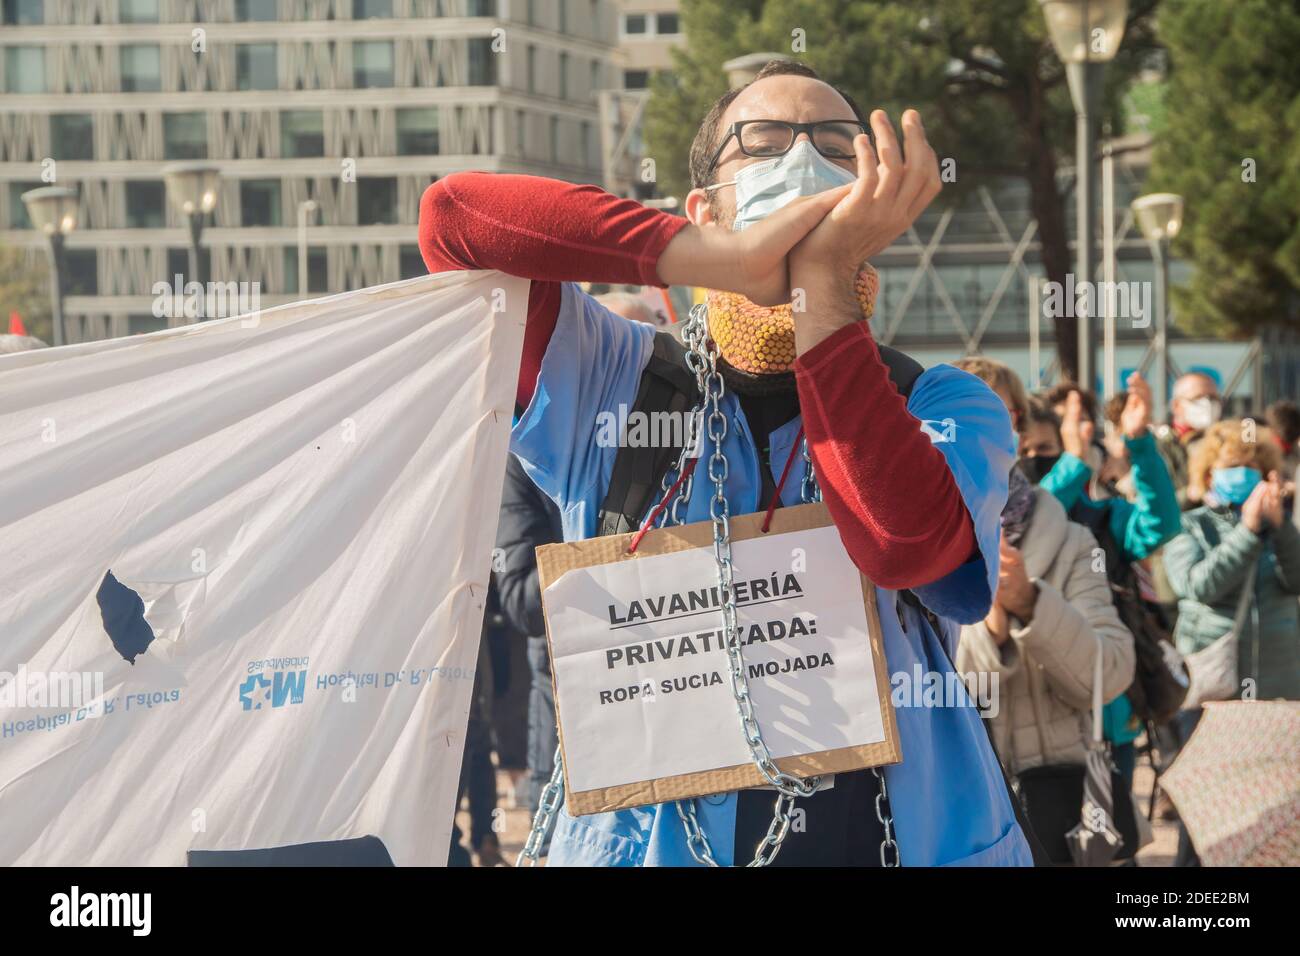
x: 192, y: 189
x: 53, y: 211
x: 1160, y: 216
x: 1086, y: 35
x: 305, y: 209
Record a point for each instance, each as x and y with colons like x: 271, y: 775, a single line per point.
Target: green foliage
x: 1234, y: 98
x: 983, y: 74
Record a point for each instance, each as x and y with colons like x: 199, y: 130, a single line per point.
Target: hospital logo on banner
x: 279, y: 689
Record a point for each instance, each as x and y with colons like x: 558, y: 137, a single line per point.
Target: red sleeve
x: 887, y: 487
x: 545, y: 230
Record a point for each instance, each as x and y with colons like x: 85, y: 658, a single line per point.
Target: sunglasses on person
x: 763, y: 139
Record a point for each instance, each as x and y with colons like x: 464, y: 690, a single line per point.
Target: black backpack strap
x: 903, y: 369
x: 667, y: 385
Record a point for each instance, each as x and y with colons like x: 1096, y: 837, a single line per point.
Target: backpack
x: 1159, y: 686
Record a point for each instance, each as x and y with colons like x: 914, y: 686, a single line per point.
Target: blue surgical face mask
x: 764, y: 187
x: 1233, y: 485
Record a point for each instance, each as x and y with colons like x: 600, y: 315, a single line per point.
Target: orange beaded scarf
x: 760, y: 339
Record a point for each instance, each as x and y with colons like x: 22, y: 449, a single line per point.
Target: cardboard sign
x: 642, y: 679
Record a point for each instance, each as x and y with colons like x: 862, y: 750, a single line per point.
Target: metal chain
x: 703, y: 359
x: 886, y: 817
x: 552, y: 795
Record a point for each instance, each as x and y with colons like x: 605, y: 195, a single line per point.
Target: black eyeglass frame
x: 795, y: 128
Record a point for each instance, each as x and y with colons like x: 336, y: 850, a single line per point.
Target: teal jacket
x: 1140, y: 527
x: 1207, y: 569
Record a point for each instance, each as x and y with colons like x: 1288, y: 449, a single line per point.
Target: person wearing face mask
x: 1241, y: 536
x: 1050, y: 615
x: 1239, y: 545
x: 790, y: 201
x: 1194, y: 406
x: 1060, y: 457
x: 1135, y: 529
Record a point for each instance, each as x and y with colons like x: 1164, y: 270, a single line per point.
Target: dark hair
x: 706, y: 139
x: 1284, y: 418
x: 1040, y: 413
x: 1057, y: 394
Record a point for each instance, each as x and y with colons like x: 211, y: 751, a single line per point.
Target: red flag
x: 16, y: 324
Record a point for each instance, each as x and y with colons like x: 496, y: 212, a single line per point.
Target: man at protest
x: 789, y: 195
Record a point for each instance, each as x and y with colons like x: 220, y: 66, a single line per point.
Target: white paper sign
x: 643, y: 684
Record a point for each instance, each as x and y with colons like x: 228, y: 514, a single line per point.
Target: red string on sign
x: 785, y: 473
x: 663, y: 503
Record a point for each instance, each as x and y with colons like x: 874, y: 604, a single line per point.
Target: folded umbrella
x: 1236, y: 784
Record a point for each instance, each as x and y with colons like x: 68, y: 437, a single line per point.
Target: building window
x: 667, y: 24
x: 482, y: 8
x: 586, y: 143
x: 482, y: 62
x: 82, y: 267
x: 595, y: 77
x: 18, y: 218
x: 255, y: 66
x: 178, y: 263
x: 137, y: 11
x: 372, y: 9
x: 532, y: 69
x: 411, y: 263
x: 72, y: 136
x: 377, y: 201
x: 144, y: 323
x: 372, y: 64
x: 555, y: 139
x: 564, y: 15
x: 317, y: 270
x: 259, y: 202
x: 564, y: 76
x: 521, y: 134
x: 636, y: 79
x: 257, y: 10
x: 635, y: 24
x: 23, y: 13
x: 532, y: 13
x: 141, y: 68
x: 417, y: 131
x: 185, y: 136
x: 25, y: 69
x: 146, y: 204
x: 302, y: 133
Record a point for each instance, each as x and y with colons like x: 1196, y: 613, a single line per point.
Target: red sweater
x: 887, y: 487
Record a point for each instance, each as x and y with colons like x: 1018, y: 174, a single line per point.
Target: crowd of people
x: 1190, y: 515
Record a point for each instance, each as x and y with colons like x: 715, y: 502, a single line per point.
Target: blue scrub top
x: 948, y: 797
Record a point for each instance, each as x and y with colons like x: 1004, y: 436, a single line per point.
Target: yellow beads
x: 760, y: 339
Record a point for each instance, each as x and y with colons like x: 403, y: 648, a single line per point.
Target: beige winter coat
x: 1050, y: 662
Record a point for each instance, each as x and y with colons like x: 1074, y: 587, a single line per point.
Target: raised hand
x: 1253, y: 508
x: 1135, y: 420
x: 1016, y: 594
x: 890, y: 192
x: 752, y: 262
x: 1077, y: 429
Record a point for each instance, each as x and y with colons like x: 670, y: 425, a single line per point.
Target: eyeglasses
x: 768, y: 138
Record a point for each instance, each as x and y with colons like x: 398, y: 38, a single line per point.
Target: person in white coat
x: 1051, y: 615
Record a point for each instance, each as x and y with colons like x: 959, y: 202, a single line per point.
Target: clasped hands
x: 816, y: 244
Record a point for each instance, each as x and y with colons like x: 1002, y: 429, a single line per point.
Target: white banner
x: 242, y: 571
